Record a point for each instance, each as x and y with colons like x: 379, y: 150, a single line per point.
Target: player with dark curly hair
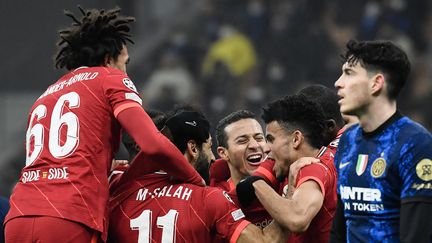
x: 74, y: 130
x: 384, y: 162
x: 295, y: 128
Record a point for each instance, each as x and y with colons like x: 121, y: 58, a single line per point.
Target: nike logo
x: 192, y: 123
x: 343, y: 165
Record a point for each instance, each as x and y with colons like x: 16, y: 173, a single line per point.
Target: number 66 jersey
x: 72, y: 133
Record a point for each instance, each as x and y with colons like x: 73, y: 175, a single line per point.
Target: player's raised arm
x: 142, y: 129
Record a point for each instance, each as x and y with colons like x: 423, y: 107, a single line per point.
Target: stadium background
x: 222, y: 54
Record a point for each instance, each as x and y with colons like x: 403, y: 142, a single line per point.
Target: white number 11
x: 142, y: 223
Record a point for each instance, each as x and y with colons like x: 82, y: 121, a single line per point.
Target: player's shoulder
x: 350, y: 133
x: 353, y: 129
x: 217, y: 196
x: 409, y: 128
x: 107, y: 70
x: 322, y: 167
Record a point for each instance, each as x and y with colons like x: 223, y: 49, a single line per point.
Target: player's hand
x: 119, y: 162
x: 293, y: 172
x: 246, y: 191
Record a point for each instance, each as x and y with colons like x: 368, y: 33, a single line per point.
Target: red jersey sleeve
x: 265, y: 170
x: 219, y: 171
x: 120, y: 92
x: 229, y: 220
x: 157, y: 152
x: 317, y: 172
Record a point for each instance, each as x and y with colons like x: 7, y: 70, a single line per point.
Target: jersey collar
x: 396, y: 116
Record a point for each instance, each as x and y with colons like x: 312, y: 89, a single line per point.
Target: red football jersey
x: 218, y: 172
x: 325, y: 175
x: 158, y: 210
x: 71, y: 137
x: 265, y: 170
x: 255, y: 213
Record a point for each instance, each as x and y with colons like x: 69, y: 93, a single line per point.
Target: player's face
x: 246, y: 145
x: 206, y: 154
x: 121, y: 61
x: 353, y: 89
x: 280, y: 142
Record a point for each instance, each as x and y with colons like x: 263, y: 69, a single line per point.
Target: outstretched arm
x: 294, y: 214
x: 155, y: 145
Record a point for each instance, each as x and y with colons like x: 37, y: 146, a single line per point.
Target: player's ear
x: 377, y: 84
x: 222, y: 152
x: 106, y: 60
x: 297, y: 138
x: 192, y: 150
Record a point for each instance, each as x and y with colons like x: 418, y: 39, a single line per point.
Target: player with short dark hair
x: 241, y: 145
x: 328, y: 100
x: 384, y: 184
x: 73, y: 133
x: 153, y: 207
x: 219, y: 170
x: 335, y: 126
x: 295, y: 128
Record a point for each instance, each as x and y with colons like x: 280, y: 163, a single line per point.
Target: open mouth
x: 340, y: 99
x: 255, y: 159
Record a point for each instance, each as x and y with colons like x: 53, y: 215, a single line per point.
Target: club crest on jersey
x: 128, y: 83
x: 228, y: 197
x: 424, y: 169
x: 361, y: 164
x: 378, y: 167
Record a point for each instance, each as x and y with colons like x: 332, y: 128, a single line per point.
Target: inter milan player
x: 155, y: 208
x: 384, y: 162
x: 73, y: 132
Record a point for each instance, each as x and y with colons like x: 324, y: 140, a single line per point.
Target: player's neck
x: 306, y: 150
x: 376, y: 114
x: 236, y: 176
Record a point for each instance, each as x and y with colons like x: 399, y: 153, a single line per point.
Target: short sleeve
x: 120, y: 92
x: 415, y: 167
x: 317, y: 172
x: 228, y: 219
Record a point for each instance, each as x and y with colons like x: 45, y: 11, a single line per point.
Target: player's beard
x: 202, y: 166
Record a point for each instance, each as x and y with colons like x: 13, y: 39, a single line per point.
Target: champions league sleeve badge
x: 128, y: 83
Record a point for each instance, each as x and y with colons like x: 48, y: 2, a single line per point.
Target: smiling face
x: 246, y: 146
x: 353, y: 89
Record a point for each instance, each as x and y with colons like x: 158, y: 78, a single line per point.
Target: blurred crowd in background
x: 241, y: 54
x: 227, y: 55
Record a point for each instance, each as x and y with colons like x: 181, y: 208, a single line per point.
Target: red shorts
x: 46, y: 229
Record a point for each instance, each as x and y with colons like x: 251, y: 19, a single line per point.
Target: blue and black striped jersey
x: 377, y: 172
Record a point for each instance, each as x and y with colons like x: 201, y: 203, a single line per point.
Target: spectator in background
x: 170, y: 84
x: 233, y: 50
